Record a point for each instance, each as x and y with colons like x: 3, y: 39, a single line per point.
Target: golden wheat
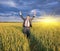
x: 43, y: 37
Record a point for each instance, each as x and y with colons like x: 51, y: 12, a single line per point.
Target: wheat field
x: 43, y: 37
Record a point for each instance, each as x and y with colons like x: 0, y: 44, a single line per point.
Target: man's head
x: 28, y: 17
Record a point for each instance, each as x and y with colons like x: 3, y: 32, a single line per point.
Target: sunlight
x: 49, y: 20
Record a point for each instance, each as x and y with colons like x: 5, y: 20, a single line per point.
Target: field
x: 43, y: 37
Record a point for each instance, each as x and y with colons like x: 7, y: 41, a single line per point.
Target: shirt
x: 27, y: 23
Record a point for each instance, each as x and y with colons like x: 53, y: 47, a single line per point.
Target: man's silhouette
x: 27, y: 24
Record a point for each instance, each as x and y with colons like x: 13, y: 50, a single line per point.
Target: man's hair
x: 28, y: 15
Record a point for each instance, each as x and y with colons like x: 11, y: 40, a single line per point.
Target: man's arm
x: 33, y: 15
x: 21, y: 15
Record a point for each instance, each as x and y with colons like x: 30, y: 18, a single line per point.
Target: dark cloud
x: 49, y: 7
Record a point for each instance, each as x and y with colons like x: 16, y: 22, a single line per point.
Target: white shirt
x: 27, y: 23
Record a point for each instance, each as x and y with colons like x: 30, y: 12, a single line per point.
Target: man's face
x: 28, y: 17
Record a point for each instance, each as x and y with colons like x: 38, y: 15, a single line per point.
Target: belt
x: 26, y: 27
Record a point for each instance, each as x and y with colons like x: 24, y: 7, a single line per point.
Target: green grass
x: 43, y: 37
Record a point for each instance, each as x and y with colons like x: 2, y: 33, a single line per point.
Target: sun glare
x: 49, y: 20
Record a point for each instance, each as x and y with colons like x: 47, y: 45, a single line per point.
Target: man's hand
x: 20, y: 13
x: 34, y: 13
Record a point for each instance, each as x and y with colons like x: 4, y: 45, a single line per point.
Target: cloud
x: 10, y: 19
x: 10, y: 8
x: 35, y: 10
x: 38, y: 12
x: 9, y: 14
x: 52, y: 3
x: 8, y: 3
x: 24, y: 5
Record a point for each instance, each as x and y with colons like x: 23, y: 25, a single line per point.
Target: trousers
x: 26, y: 30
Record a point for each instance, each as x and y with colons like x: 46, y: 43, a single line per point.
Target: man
x: 27, y: 24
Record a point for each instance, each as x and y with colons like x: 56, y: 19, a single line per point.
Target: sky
x: 9, y: 9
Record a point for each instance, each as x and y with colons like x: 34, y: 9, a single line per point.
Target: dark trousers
x: 26, y: 30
